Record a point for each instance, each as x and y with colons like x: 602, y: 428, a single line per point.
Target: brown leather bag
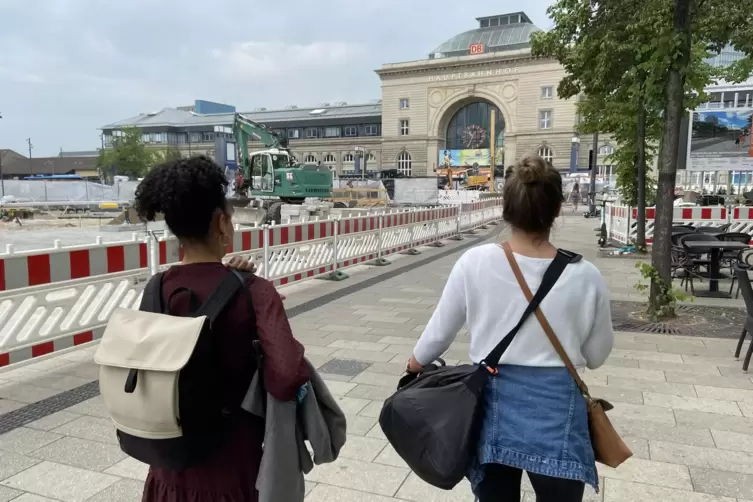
x: 609, y: 448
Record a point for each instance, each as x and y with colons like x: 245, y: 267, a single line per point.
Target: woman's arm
x: 598, y: 345
x: 285, y: 369
x: 448, y: 318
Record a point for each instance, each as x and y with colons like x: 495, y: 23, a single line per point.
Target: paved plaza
x: 682, y: 403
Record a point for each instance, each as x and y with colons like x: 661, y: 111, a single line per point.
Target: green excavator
x: 267, y: 179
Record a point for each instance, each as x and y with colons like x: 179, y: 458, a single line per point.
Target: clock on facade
x: 473, y: 136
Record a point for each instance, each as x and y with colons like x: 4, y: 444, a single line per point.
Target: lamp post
x: 592, y: 189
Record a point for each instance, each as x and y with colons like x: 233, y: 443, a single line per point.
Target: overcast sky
x: 68, y: 67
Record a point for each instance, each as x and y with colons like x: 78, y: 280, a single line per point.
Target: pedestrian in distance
x: 535, y: 417
x: 575, y: 196
x: 191, y: 194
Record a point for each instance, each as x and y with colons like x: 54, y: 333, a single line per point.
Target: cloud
x: 255, y: 60
x: 74, y: 65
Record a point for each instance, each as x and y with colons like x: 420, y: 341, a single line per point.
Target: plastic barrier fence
x: 621, y: 221
x: 58, y: 298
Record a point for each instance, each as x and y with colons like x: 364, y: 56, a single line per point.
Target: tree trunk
x: 640, y: 241
x: 675, y: 91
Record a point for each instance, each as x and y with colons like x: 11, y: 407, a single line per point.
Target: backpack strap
x: 151, y: 301
x: 218, y: 300
x: 552, y: 274
x: 246, y: 278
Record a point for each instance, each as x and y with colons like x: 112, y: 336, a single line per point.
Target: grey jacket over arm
x: 288, y: 425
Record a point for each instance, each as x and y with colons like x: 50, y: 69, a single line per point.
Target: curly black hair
x: 187, y: 192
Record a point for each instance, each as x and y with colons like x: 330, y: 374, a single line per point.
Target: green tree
x: 127, y: 155
x: 640, y: 74
x: 168, y: 154
x: 683, y: 25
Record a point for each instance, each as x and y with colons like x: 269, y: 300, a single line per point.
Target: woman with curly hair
x: 190, y: 193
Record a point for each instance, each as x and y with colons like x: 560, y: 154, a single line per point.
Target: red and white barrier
x: 55, y: 299
x: 34, y: 268
x: 621, y: 221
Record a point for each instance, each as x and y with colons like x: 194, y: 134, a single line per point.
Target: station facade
x: 432, y: 112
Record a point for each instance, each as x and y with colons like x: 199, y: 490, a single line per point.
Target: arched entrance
x: 468, y: 136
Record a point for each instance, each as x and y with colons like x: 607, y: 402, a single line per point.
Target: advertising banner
x: 465, y: 158
x: 720, y: 140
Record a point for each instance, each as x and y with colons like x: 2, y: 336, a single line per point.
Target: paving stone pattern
x: 682, y: 403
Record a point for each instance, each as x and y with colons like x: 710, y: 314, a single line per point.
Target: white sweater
x: 482, y: 294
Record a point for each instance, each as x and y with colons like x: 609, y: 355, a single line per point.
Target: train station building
x: 432, y: 112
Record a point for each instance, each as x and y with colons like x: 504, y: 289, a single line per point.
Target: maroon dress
x: 229, y: 474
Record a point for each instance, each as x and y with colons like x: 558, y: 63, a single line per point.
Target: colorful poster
x: 465, y: 158
x: 720, y: 140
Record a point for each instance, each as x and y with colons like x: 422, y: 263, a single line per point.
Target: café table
x: 715, y: 250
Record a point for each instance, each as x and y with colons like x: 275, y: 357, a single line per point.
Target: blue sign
x: 574, y: 150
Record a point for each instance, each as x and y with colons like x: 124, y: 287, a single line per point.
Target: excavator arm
x: 245, y: 130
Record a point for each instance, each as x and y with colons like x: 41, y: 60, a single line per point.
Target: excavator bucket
x: 250, y: 216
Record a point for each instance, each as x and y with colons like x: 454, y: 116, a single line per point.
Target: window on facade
x: 546, y: 153
x: 207, y: 136
x: 404, y: 164
x: 404, y: 104
x: 606, y: 150
x: 294, y: 133
x: 371, y: 157
x: 404, y: 127
x: 470, y: 127
x: 329, y: 159
x: 605, y: 170
x: 312, y: 132
x: 348, y: 157
x: 332, y: 132
x: 310, y: 159
x: 545, y: 119
x: 351, y: 131
x: 194, y: 137
x: 371, y: 130
x: 547, y: 92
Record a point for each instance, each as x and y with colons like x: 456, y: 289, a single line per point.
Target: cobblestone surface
x: 682, y: 402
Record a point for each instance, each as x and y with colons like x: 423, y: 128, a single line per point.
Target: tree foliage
x: 610, y: 54
x: 127, y: 155
x: 630, y: 55
x: 168, y: 154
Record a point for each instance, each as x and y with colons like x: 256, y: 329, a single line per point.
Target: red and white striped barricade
x: 297, y: 251
x: 396, y: 233
x: 618, y: 223
x: 696, y: 216
x: 46, y: 318
x: 741, y: 220
x: 35, y: 268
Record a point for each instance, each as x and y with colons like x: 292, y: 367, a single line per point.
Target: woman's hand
x: 413, y: 366
x: 241, y: 264
x: 245, y: 265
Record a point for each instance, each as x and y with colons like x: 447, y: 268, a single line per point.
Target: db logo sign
x: 477, y: 49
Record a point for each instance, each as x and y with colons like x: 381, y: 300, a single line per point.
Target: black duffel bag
x: 434, y: 419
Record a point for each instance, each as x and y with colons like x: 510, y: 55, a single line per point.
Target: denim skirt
x: 535, y: 419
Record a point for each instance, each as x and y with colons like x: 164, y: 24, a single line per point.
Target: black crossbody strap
x: 552, y: 274
x: 151, y: 301
x: 218, y: 300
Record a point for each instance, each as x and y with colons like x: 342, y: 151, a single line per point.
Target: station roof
x: 503, y: 32
x: 172, y: 117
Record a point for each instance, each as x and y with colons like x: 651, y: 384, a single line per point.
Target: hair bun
x: 530, y: 172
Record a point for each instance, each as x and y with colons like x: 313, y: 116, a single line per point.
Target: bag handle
x: 552, y: 274
x: 543, y: 321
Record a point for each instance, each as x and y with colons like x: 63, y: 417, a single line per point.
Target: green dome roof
x: 506, y: 32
